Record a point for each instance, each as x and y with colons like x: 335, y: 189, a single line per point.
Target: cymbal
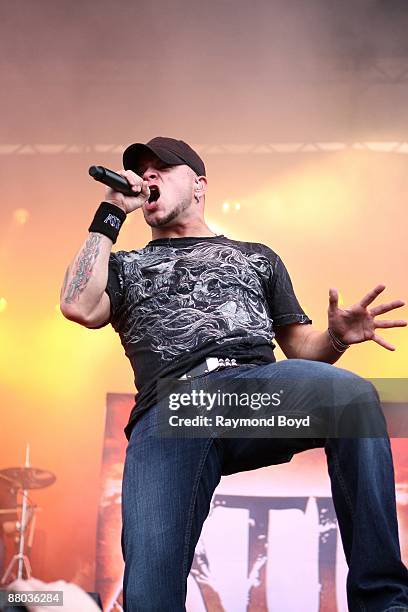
x: 8, y: 480
x: 28, y: 477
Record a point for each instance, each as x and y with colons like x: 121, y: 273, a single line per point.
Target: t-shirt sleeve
x: 114, y: 288
x: 283, y: 303
x: 115, y: 285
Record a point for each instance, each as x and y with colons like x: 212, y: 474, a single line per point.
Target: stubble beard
x: 181, y: 207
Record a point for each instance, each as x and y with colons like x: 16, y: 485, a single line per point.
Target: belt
x: 209, y: 365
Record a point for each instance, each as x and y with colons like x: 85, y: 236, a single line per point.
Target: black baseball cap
x: 168, y: 150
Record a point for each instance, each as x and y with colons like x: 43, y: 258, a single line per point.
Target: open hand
x: 357, y: 323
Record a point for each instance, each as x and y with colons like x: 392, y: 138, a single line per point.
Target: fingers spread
x: 388, y: 323
x: 381, y: 308
x: 371, y: 295
x: 382, y: 342
x: 333, y: 299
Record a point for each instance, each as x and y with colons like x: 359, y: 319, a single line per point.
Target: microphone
x: 113, y: 180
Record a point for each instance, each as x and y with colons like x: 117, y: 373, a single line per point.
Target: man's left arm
x: 346, y: 326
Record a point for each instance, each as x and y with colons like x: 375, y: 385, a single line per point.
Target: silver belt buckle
x: 214, y: 363
x: 223, y: 363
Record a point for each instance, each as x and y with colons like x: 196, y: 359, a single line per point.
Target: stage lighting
x: 21, y: 216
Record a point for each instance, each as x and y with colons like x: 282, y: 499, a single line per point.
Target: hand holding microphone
x: 126, y: 189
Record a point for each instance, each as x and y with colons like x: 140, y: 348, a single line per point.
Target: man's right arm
x: 83, y: 298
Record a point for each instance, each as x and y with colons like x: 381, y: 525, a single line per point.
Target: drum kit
x: 18, y: 511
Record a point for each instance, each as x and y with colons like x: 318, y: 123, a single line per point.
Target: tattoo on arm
x: 64, y: 284
x: 82, y: 270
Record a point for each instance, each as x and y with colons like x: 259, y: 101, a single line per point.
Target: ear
x: 200, y: 186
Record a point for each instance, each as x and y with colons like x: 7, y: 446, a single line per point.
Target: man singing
x: 196, y: 306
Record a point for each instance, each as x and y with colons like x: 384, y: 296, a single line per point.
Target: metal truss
x: 214, y: 149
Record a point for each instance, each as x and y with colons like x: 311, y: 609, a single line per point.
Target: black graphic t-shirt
x: 179, y: 300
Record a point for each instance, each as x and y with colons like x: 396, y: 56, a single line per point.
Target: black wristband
x: 108, y: 220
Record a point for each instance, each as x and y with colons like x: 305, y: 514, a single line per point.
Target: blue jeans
x: 168, y: 484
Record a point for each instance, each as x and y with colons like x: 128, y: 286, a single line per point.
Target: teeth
x: 154, y: 194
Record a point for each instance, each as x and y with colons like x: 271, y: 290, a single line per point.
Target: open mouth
x: 154, y: 194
